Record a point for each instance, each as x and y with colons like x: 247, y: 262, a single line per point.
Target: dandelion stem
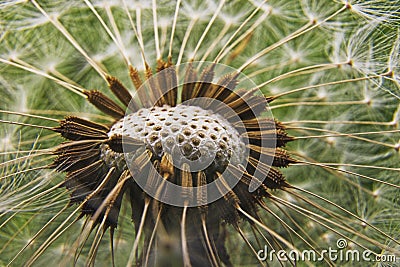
x: 178, y: 3
x: 224, y: 50
x: 210, y: 23
x: 325, y: 84
x: 155, y: 27
x: 119, y: 44
x: 76, y: 89
x: 304, y: 29
x: 350, y: 135
x: 348, y: 172
x: 71, y: 39
x: 138, y: 37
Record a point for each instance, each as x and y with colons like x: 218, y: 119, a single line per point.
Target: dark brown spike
x: 136, y: 195
x: 161, y: 83
x: 277, y: 179
x: 201, y: 193
x: 161, y: 65
x: 148, y: 71
x: 123, y: 144
x: 239, y: 98
x: 223, y: 87
x: 230, y: 195
x: 282, y: 138
x: 279, y: 136
x: 88, y: 123
x: 136, y: 202
x: 76, y: 146
x: 135, y: 77
x: 248, y: 106
x: 121, y: 92
x: 152, y: 93
x: 171, y: 86
x: 269, y: 99
x: 84, y: 180
x: 169, y: 61
x: 227, y: 97
x: 220, y: 245
x: 85, y: 174
x: 113, y: 207
x: 75, y: 131
x: 110, y: 211
x: 280, y: 156
x: 201, y: 88
x: 226, y: 86
x: 230, y: 81
x: 167, y: 166
x: 152, y: 183
x: 138, y: 83
x: 247, y: 200
x: 72, y: 161
x: 189, y: 82
x: 186, y: 182
x: 104, y: 104
x: 228, y: 204
x: 256, y: 123
x: 142, y: 161
x: 240, y: 173
x: 274, y: 179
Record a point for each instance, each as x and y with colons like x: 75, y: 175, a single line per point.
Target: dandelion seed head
x: 186, y: 132
x: 375, y: 11
x: 367, y: 53
x: 349, y: 50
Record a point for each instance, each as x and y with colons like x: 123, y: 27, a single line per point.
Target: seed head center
x: 189, y: 133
